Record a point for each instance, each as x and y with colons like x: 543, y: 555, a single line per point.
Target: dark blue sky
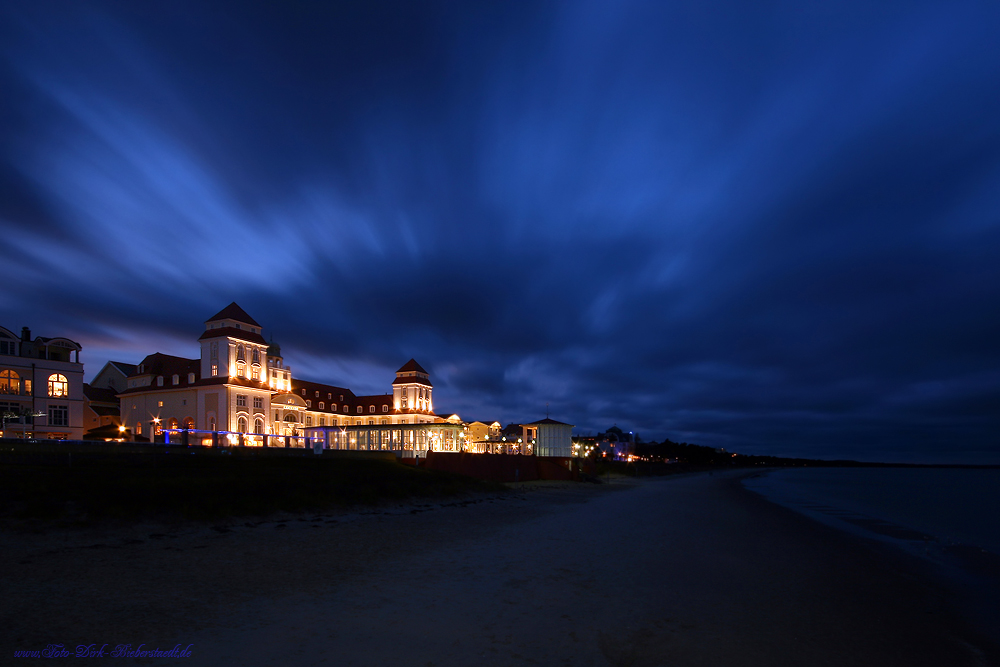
x: 773, y: 227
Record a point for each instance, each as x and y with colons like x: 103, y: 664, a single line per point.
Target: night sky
x: 770, y: 227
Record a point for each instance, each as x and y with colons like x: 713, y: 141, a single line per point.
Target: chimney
x: 25, y: 334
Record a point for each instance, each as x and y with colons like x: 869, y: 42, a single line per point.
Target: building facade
x: 241, y: 387
x: 41, y: 387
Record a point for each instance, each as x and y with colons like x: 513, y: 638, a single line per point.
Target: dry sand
x: 691, y: 570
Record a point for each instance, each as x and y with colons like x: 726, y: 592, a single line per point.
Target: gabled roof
x: 100, y: 394
x: 412, y: 365
x: 166, y: 364
x: 125, y: 369
x: 233, y: 312
x: 547, y: 421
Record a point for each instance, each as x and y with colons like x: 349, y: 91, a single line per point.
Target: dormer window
x: 359, y: 409
x: 346, y: 408
x: 159, y: 381
x: 329, y: 397
x: 317, y: 394
x: 321, y: 405
x: 333, y: 407
x: 190, y: 378
x: 385, y: 408
x: 303, y: 392
x: 371, y: 409
x: 176, y: 379
x: 341, y: 398
x: 309, y: 403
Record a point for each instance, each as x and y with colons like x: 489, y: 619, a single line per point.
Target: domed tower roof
x: 273, y: 349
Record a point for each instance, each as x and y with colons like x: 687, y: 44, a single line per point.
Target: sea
x: 948, y: 518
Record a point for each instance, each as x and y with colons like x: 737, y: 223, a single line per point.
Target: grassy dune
x: 211, y: 487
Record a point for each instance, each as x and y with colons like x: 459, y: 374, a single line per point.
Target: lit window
x: 159, y: 404
x: 10, y: 382
x: 58, y: 385
x: 241, y: 369
x: 255, y: 373
x: 241, y: 424
x: 215, y: 369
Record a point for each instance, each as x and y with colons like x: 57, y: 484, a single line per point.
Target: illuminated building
x: 241, y: 385
x: 41, y: 387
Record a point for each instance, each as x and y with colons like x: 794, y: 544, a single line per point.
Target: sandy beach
x: 688, y: 570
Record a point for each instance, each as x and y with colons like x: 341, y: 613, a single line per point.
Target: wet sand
x: 690, y: 570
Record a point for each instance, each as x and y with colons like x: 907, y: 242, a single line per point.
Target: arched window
x: 290, y: 417
x: 241, y: 424
x: 211, y: 423
x: 255, y: 357
x: 321, y: 405
x: 359, y: 409
x: 241, y: 354
x: 309, y: 403
x: 258, y: 425
x: 385, y: 408
x: 172, y: 423
x: 10, y: 382
x: 333, y: 407
x: 58, y: 385
x: 176, y: 379
x: 346, y: 408
x: 371, y: 408
x: 241, y: 369
x: 189, y: 423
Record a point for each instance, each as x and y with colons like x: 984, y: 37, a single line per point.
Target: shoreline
x: 688, y: 569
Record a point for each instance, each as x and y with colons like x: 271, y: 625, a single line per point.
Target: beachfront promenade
x: 691, y: 570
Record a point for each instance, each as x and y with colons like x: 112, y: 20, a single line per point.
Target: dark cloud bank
x: 774, y: 230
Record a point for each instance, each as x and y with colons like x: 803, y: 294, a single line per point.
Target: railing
x: 13, y: 390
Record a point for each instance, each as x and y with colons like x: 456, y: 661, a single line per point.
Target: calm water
x: 947, y: 517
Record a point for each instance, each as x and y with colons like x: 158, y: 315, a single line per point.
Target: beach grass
x: 212, y: 488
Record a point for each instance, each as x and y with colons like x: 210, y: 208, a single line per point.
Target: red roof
x: 412, y: 365
x: 413, y: 379
x: 233, y: 312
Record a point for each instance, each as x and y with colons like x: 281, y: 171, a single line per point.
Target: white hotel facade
x: 240, y: 386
